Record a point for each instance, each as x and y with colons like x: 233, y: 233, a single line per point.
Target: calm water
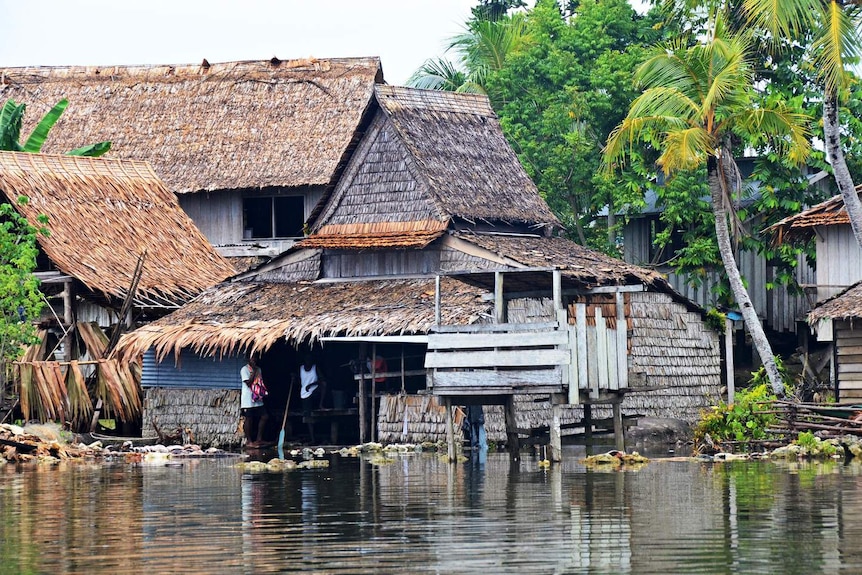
x: 419, y: 515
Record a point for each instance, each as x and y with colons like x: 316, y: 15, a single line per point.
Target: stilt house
x: 433, y: 232
x: 118, y: 249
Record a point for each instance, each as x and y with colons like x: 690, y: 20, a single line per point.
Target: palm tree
x: 835, y: 26
x: 696, y: 98
x: 481, y: 50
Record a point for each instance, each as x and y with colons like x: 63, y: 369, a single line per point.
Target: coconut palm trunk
x: 717, y: 187
x: 832, y: 135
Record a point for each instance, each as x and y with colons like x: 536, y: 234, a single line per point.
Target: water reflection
x: 419, y: 514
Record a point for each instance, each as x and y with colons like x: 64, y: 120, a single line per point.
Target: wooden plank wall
x: 848, y: 343
x: 380, y: 263
x: 497, y: 359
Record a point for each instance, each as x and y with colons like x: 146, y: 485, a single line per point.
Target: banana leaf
x: 34, y: 143
x: 11, y: 118
x: 92, y: 150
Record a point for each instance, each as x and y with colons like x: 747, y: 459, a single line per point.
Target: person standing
x: 312, y: 388
x: 253, y: 410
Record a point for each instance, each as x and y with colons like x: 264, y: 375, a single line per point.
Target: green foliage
x: 20, y: 301
x: 743, y: 420
x: 560, y: 96
x: 716, y: 320
x: 760, y: 377
x: 814, y: 446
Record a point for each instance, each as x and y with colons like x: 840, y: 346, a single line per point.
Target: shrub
x: 745, y: 419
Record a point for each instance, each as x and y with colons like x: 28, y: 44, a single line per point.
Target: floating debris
x: 615, y: 458
x: 45, y: 443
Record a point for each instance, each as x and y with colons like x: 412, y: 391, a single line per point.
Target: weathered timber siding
x: 839, y: 260
x: 212, y: 415
x: 848, y: 345
x: 337, y: 264
x: 307, y: 268
x: 218, y: 215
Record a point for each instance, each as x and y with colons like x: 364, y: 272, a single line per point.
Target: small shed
x: 119, y: 250
x: 839, y: 320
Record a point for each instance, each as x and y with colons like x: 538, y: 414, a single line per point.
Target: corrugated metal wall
x: 778, y: 307
x: 193, y: 371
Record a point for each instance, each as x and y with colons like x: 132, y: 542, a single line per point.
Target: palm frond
x: 37, y: 138
x: 438, y: 74
x: 836, y: 46
x: 685, y: 149
x: 783, y: 18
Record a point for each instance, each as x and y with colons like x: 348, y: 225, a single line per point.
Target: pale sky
x: 403, y: 33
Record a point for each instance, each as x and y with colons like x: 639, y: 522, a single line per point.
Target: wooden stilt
x: 588, y: 423
x: 450, y: 430
x: 619, y: 430
x: 512, y: 428
x: 362, y: 415
x: 373, y: 392
x: 556, y: 440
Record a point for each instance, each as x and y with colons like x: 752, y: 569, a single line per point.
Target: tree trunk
x: 717, y: 184
x: 832, y: 135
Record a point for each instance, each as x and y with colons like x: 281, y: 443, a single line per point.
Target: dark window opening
x: 273, y: 217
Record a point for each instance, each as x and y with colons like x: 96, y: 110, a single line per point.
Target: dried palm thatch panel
x: 102, y: 215
x: 230, y: 125
x: 800, y: 227
x: 208, y: 417
x: 676, y: 352
x: 407, y: 234
x: 846, y: 305
x: 530, y: 310
x: 232, y: 317
x: 414, y: 419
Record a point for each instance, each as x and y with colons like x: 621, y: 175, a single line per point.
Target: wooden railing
x: 497, y: 359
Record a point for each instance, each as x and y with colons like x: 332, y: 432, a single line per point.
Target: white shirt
x: 245, y: 400
x: 308, y: 381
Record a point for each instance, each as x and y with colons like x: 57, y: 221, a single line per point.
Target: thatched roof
x: 432, y: 156
x: 102, y: 214
x: 846, y: 305
x: 210, y: 126
x: 583, y: 266
x: 801, y: 226
x: 234, y: 317
x: 410, y: 234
